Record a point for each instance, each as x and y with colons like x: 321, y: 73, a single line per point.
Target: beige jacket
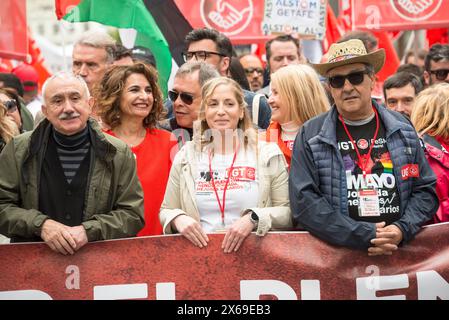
x: 273, y: 206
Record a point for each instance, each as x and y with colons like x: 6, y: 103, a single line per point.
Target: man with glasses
x: 359, y: 177
x: 253, y: 70
x: 215, y: 48
x: 67, y: 183
x: 437, y: 64
x: 185, y: 97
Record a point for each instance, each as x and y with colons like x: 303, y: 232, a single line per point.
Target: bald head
x: 64, y: 77
x: 254, y: 70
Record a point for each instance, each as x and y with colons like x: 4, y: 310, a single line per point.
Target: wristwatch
x: 253, y: 217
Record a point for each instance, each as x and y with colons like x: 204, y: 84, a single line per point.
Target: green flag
x: 128, y: 14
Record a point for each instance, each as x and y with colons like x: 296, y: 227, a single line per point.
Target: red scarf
x: 276, y: 127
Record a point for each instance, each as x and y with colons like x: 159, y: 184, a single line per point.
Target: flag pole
x: 64, y: 59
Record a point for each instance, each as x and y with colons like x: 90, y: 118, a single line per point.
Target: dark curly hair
x: 110, y: 89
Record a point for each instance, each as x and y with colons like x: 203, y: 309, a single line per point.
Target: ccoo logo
x: 416, y: 10
x: 227, y: 16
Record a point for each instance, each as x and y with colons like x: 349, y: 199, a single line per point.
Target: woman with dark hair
x: 237, y: 72
x: 129, y: 102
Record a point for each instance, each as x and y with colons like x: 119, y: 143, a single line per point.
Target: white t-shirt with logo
x: 242, y: 190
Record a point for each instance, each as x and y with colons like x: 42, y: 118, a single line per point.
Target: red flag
x: 345, y: 15
x: 65, y: 6
x: 333, y: 29
x: 437, y: 36
x: 37, y: 60
x: 392, y: 61
x: 13, y: 35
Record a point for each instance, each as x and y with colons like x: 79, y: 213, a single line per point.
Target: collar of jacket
x: 391, y: 123
x: 102, y: 148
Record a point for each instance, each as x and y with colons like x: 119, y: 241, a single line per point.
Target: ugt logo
x: 416, y: 10
x: 227, y: 16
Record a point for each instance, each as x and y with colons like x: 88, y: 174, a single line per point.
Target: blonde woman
x: 297, y: 96
x: 8, y: 127
x: 430, y: 117
x: 225, y: 180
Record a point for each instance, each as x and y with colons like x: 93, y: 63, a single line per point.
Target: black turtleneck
x: 71, y: 151
x: 64, y: 177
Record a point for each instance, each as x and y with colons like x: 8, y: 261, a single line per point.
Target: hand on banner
x: 57, y: 237
x: 226, y: 15
x: 79, y: 234
x: 191, y: 229
x: 415, y: 6
x: 238, y: 232
x: 386, y: 241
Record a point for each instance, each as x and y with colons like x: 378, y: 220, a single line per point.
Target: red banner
x: 400, y: 14
x: 284, y: 265
x: 13, y: 30
x: 240, y: 20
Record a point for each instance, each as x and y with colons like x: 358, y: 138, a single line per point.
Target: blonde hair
x: 8, y: 128
x: 301, y: 91
x: 430, y: 115
x: 244, y: 126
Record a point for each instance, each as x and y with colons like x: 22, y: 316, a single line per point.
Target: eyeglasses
x: 250, y: 70
x: 11, y: 106
x: 355, y: 78
x: 440, y: 74
x: 187, y: 98
x: 199, y: 55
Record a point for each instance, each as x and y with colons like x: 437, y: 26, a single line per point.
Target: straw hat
x: 349, y: 52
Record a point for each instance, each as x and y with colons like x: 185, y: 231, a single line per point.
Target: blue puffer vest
x: 318, y: 192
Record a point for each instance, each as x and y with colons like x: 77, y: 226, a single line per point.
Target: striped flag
x: 148, y: 18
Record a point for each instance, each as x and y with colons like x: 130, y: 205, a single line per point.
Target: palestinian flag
x: 160, y: 25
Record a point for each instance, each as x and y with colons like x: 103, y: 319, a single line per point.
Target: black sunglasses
x: 187, y: 98
x: 199, y: 55
x: 251, y: 70
x: 440, y: 74
x: 355, y: 78
x: 11, y: 105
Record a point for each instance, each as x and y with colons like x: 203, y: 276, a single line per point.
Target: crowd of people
x: 235, y: 147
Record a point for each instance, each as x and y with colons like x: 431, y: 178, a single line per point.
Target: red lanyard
x: 363, y: 160
x: 222, y: 207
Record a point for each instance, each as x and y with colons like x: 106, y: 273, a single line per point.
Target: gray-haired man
x: 92, y: 54
x: 67, y: 182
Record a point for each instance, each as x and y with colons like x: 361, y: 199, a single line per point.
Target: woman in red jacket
x: 296, y: 96
x: 129, y: 102
x: 430, y: 117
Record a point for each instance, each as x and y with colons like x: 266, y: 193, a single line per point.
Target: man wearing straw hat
x: 359, y: 177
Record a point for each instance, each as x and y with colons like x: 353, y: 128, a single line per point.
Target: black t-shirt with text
x: 381, y: 176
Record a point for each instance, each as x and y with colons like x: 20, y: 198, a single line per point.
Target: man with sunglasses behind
x: 185, y: 97
x: 359, y: 177
x: 437, y: 64
x: 254, y: 71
